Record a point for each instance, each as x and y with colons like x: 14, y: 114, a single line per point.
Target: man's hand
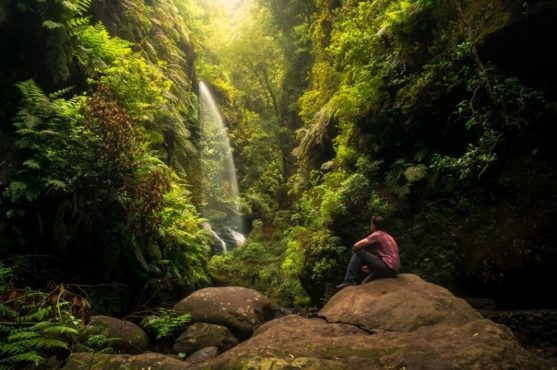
x: 366, y: 269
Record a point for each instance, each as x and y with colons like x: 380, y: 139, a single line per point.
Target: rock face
x: 386, y: 324
x: 201, y: 335
x: 240, y: 309
x: 124, y: 336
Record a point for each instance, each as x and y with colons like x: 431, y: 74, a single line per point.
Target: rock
x: 200, y: 335
x: 294, y: 342
x: 125, y: 336
x: 203, y: 354
x: 148, y: 360
x: 240, y: 309
x: 404, y: 303
x: 397, y: 323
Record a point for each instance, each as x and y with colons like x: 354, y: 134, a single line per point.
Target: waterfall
x: 219, y: 185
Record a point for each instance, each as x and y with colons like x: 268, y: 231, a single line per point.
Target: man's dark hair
x: 378, y: 221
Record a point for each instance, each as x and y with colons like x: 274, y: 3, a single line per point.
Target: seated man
x: 384, y: 263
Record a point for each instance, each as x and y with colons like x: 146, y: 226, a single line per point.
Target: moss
x: 486, y: 17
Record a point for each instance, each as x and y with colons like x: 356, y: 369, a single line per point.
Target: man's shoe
x: 345, y: 284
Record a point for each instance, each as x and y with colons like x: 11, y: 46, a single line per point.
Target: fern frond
x: 22, y: 357
x: 41, y: 325
x: 60, y: 93
x: 9, y: 349
x: 25, y: 334
x: 32, y: 93
x: 82, y: 6
x: 78, y: 22
x: 49, y: 343
x: 60, y: 330
x: 39, y: 315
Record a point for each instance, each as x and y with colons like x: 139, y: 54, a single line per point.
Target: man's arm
x: 370, y: 239
x: 360, y: 244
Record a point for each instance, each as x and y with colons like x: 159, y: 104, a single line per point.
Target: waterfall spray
x: 221, y: 199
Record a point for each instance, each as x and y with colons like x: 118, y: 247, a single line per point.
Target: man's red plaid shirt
x: 386, y: 248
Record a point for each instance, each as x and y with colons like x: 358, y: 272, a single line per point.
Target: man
x: 384, y: 262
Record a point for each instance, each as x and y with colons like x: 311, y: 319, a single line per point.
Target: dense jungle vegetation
x: 439, y: 115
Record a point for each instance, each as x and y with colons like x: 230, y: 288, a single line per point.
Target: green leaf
x: 32, y: 164
x: 415, y: 173
x: 60, y: 185
x: 51, y: 25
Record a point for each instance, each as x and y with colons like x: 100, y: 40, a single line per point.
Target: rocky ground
x: 399, y: 323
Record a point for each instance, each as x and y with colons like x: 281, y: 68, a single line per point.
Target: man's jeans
x: 361, y: 257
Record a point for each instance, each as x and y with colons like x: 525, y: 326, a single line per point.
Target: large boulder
x: 404, y: 303
x: 240, y: 309
x: 201, y: 335
x: 124, y: 336
x: 396, y: 323
x: 149, y: 360
x: 295, y: 342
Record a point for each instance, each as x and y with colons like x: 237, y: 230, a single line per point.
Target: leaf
x: 51, y: 25
x: 32, y: 164
x: 415, y: 173
x: 57, y: 184
x: 23, y: 357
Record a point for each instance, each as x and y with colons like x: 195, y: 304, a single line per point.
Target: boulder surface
x: 148, y: 360
x: 201, y: 335
x: 239, y: 309
x: 404, y: 303
x: 124, y: 336
x: 420, y: 326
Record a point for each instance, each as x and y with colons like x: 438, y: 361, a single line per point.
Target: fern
x: 82, y: 6
x: 20, y: 344
x: 22, y: 358
x: 166, y: 323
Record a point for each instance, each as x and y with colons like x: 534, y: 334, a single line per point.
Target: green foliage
x: 403, y: 116
x: 139, y: 87
x: 58, y: 18
x: 49, y: 131
x: 98, y: 343
x: 313, y: 256
x: 100, y: 178
x: 257, y: 264
x: 27, y: 334
x: 333, y: 197
x: 181, y: 244
x: 97, y: 48
x: 92, y: 151
x: 29, y: 344
x: 166, y: 323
